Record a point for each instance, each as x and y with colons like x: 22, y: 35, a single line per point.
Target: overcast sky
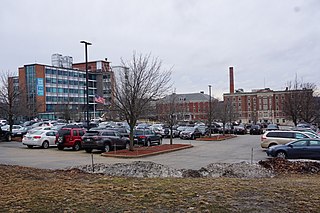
x: 267, y: 42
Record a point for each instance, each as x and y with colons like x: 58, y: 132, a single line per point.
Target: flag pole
x: 94, y: 111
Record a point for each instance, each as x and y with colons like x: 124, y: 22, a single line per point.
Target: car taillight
x: 36, y: 137
x: 263, y: 137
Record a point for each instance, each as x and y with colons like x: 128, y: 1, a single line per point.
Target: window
x: 299, y: 143
x: 75, y: 133
x: 299, y: 136
x: 314, y: 143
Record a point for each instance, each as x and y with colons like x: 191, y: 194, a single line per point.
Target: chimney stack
x: 231, y: 80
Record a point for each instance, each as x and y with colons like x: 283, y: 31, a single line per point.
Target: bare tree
x: 299, y: 103
x: 167, y: 109
x: 139, y: 84
x: 9, y: 97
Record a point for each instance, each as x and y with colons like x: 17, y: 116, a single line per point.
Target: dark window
x: 75, y: 133
x: 299, y: 136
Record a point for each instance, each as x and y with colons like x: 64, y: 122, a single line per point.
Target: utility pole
x: 87, y: 78
x: 210, y: 111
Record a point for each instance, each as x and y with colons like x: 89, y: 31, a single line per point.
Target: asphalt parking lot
x: 241, y: 148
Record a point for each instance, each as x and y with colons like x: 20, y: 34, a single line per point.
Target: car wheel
x: 281, y: 154
x: 9, y: 138
x: 106, y: 147
x: 148, y: 143
x: 77, y: 147
x: 192, y: 137
x: 88, y: 150
x: 60, y: 147
x: 45, y: 144
x: 29, y: 146
x: 60, y: 139
x: 160, y: 141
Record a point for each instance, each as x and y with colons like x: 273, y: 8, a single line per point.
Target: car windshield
x: 139, y: 132
x: 189, y: 129
x: 37, y: 133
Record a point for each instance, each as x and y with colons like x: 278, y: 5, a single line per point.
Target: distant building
x: 188, y: 107
x: 48, y: 91
x: 257, y: 106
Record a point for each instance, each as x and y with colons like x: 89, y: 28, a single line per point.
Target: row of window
x: 65, y: 81
x: 64, y: 90
x: 70, y: 73
x: 65, y: 99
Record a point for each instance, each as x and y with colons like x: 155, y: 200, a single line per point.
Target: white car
x: 42, y: 138
x: 39, y: 128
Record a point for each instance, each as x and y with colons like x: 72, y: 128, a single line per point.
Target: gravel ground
x: 150, y: 169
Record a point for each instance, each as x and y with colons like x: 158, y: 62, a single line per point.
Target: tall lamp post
x: 87, y: 78
x: 210, y: 111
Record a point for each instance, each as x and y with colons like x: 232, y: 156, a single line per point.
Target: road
x: 203, y: 153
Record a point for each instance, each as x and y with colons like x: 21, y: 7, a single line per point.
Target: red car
x: 69, y: 137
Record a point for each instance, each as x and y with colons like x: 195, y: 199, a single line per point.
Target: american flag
x: 99, y: 99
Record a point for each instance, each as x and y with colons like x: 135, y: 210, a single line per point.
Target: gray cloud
x: 267, y: 41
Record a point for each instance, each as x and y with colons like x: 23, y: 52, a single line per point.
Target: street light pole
x: 87, y: 78
x: 210, y: 111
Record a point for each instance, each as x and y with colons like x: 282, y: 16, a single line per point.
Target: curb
x: 216, y: 139
x: 145, y: 155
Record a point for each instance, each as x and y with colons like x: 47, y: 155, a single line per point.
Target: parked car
x: 31, y: 130
x: 276, y: 137
x: 123, y: 131
x: 202, y: 128
x: 248, y: 127
x: 21, y: 132
x: 271, y: 127
x: 104, y: 140
x: 228, y: 129
x: 167, y: 132
x: 14, y: 128
x: 5, y: 135
x: 256, y: 130
x: 42, y: 138
x: 69, y: 137
x: 305, y: 148
x: 146, y: 137
x: 240, y: 129
x: 190, y: 133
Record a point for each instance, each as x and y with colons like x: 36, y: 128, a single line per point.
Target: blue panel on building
x: 40, y: 87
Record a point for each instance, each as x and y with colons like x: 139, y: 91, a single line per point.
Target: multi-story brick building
x: 47, y: 90
x: 187, y: 107
x: 257, y: 106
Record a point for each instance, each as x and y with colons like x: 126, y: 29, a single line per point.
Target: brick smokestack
x: 231, y: 80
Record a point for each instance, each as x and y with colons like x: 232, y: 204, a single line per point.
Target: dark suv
x: 5, y: 135
x: 146, y: 137
x: 69, y: 137
x: 104, y: 140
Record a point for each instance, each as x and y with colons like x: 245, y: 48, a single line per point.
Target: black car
x: 5, y: 135
x: 256, y: 130
x: 104, y: 140
x: 146, y: 137
x: 240, y: 129
x: 306, y: 148
x: 190, y: 133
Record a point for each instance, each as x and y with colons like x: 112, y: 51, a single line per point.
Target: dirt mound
x: 279, y: 165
